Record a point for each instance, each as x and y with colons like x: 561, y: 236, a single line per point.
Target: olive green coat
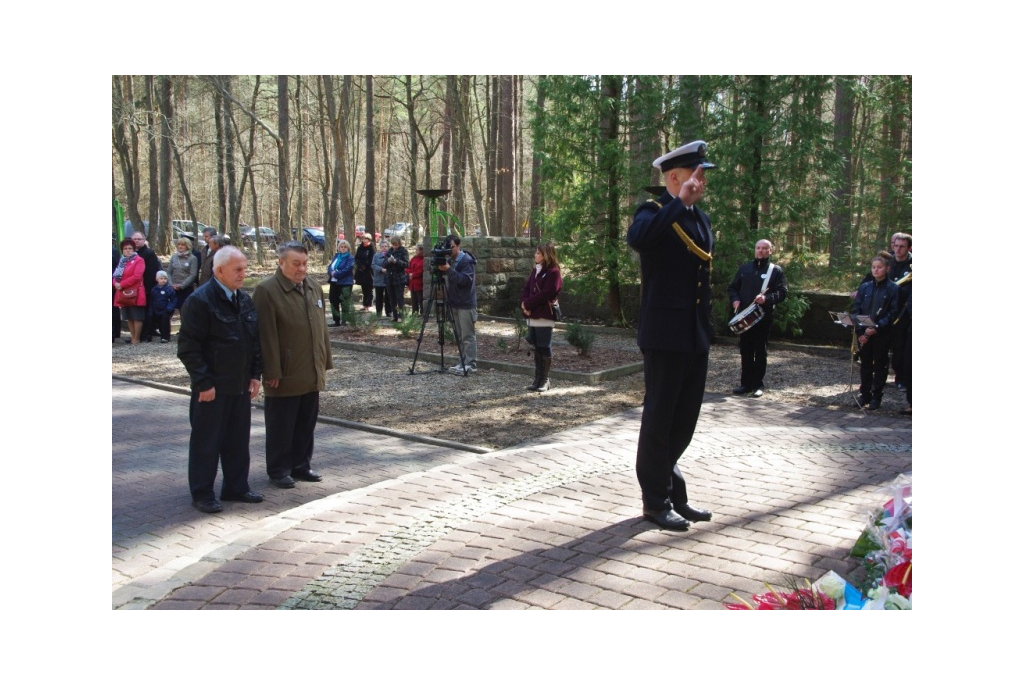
x: 293, y: 336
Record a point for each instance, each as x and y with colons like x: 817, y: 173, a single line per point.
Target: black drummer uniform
x: 754, y: 341
x: 898, y: 270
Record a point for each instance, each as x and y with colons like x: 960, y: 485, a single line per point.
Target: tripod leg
x: 426, y: 317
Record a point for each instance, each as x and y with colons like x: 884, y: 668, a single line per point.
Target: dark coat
x: 675, y: 300
x: 293, y: 336
x: 462, y: 281
x: 219, y: 347
x: 877, y: 300
x: 396, y: 270
x: 746, y: 285
x: 364, y: 261
x: 538, y: 292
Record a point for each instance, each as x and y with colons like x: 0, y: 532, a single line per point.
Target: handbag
x: 556, y: 310
x: 127, y: 297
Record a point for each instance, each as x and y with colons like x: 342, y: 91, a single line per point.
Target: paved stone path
x: 399, y: 523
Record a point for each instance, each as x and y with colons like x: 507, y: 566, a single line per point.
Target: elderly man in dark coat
x: 296, y: 356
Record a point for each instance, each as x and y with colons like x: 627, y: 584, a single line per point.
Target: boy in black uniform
x: 876, y: 299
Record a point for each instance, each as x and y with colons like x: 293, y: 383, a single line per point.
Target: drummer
x: 754, y: 284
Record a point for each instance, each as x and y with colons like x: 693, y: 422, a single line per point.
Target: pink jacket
x: 132, y: 278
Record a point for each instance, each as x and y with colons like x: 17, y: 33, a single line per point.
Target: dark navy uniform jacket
x: 675, y: 301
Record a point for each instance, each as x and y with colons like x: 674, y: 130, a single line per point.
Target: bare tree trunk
x: 371, y: 161
x: 505, y: 163
x: 154, y: 163
x: 492, y: 159
x: 414, y: 148
x: 450, y: 92
x: 536, y: 199
x: 164, y: 228
x: 283, y: 165
x: 348, y: 213
x: 300, y: 149
x: 128, y: 155
x: 839, y: 216
x: 222, y: 210
x: 611, y: 91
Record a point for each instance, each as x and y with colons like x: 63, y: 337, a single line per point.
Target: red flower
x: 899, y: 578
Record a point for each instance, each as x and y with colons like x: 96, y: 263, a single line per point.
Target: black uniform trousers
x: 220, y: 433
x: 898, y: 347
x: 675, y: 389
x: 290, y: 424
x: 874, y: 365
x: 754, y: 354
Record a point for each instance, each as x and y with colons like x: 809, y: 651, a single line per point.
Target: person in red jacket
x: 130, y: 295
x: 415, y: 272
x: 539, y: 293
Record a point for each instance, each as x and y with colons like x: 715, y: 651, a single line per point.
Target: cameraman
x: 461, y: 272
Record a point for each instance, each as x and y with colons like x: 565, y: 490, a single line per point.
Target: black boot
x: 537, y: 364
x: 545, y: 369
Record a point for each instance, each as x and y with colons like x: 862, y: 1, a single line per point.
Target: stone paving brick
x: 540, y: 597
x: 555, y: 523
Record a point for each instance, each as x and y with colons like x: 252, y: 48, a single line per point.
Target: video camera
x: 441, y: 253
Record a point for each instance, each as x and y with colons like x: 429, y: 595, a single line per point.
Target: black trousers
x: 754, y: 354
x: 396, y: 298
x: 907, y: 363
x: 163, y: 325
x: 417, y: 301
x: 898, y: 347
x: 673, y: 392
x: 874, y: 366
x: 383, y: 302
x: 116, y: 324
x: 367, y: 289
x: 220, y: 433
x: 290, y: 422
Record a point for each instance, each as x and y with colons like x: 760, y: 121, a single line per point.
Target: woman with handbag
x: 129, y: 294
x: 539, y: 300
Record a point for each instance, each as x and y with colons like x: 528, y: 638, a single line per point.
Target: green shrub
x: 409, y: 326
x: 365, y: 321
x: 519, y: 321
x: 580, y: 338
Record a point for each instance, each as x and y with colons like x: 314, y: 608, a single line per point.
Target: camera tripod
x: 439, y: 290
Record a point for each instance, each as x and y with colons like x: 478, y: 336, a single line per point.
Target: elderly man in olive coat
x: 296, y: 356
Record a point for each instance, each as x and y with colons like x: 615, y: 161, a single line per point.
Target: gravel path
x: 492, y: 408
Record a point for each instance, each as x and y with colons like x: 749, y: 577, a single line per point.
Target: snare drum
x: 746, y: 319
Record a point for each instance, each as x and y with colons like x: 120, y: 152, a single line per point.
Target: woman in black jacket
x: 539, y: 294
x: 396, y: 262
x: 363, y: 273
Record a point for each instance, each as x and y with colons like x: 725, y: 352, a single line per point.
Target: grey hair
x: 225, y: 255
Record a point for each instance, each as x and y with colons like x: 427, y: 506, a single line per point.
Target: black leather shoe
x: 757, y: 393
x: 310, y: 476
x: 210, y: 506
x: 692, y: 513
x: 283, y: 482
x: 666, y: 518
x: 250, y: 497
x: 863, y: 401
x: 875, y: 404
x: 334, y: 325
x: 739, y: 390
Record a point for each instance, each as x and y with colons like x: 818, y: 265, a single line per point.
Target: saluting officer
x: 675, y: 243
